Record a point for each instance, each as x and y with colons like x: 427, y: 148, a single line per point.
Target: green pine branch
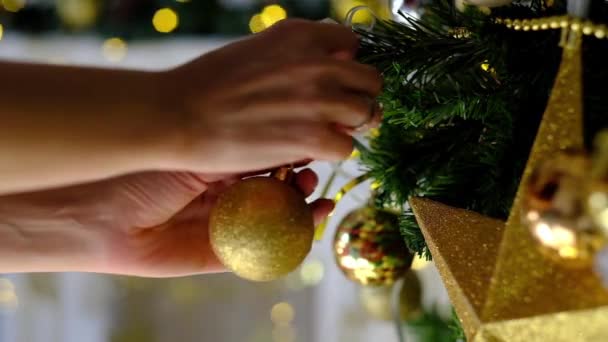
x: 461, y: 112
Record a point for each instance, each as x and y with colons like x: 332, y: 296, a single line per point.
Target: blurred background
x: 316, y: 303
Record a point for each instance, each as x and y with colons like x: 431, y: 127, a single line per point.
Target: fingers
x: 314, y: 76
x: 306, y: 181
x: 322, y: 141
x: 348, y: 110
x: 322, y: 37
x: 349, y: 75
x: 321, y: 208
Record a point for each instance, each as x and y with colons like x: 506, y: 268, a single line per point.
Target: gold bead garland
x: 587, y: 27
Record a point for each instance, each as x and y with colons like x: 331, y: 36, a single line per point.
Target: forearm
x: 37, y: 237
x: 62, y: 125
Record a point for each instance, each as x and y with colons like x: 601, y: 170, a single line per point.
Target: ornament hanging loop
x: 349, y: 20
x: 285, y: 174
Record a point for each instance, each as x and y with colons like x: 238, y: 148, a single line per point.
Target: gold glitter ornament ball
x: 369, y: 248
x: 377, y: 300
x: 261, y: 228
x: 554, y: 210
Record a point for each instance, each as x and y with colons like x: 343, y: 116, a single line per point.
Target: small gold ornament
x: 377, y: 300
x: 554, y: 209
x: 369, y: 248
x: 261, y: 228
x: 78, y: 14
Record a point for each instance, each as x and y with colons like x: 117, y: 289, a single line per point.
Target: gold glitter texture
x: 525, y: 282
x: 528, y: 297
x: 261, y: 228
x: 464, y: 245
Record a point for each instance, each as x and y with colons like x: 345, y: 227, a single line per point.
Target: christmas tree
x: 465, y: 93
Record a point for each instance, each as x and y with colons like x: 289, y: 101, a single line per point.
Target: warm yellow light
x: 598, y: 200
x: 8, y: 297
x: 114, y: 49
x: 375, y: 185
x: 544, y: 234
x: 374, y: 132
x: 165, y: 20
x: 420, y: 263
x: 312, y: 272
x: 13, y: 5
x: 273, y: 14
x: 256, y: 24
x: 1, y: 31
x: 568, y: 252
x: 363, y: 263
x: 282, y: 313
x: 485, y: 66
x: 533, y: 216
x: 348, y: 262
x: 564, y: 236
x: 269, y: 16
x: 77, y: 14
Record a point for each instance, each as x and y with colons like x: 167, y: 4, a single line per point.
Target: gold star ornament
x: 502, y: 287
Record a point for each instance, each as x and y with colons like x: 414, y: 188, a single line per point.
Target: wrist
x: 182, y: 137
x: 154, y: 124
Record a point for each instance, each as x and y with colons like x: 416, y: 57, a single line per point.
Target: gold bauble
x: 554, y: 209
x: 261, y: 228
x: 78, y: 14
x: 377, y: 301
x: 369, y: 248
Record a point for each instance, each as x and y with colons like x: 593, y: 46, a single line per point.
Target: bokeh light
x: 1, y: 31
x: 165, y: 20
x: 282, y: 313
x: 78, y: 14
x: 13, y: 5
x: 273, y: 14
x: 8, y: 297
x: 312, y: 273
x: 420, y: 263
x: 256, y: 24
x: 114, y: 49
x: 269, y: 16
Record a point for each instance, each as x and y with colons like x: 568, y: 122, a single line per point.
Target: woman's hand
x: 287, y: 94
x: 151, y: 224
